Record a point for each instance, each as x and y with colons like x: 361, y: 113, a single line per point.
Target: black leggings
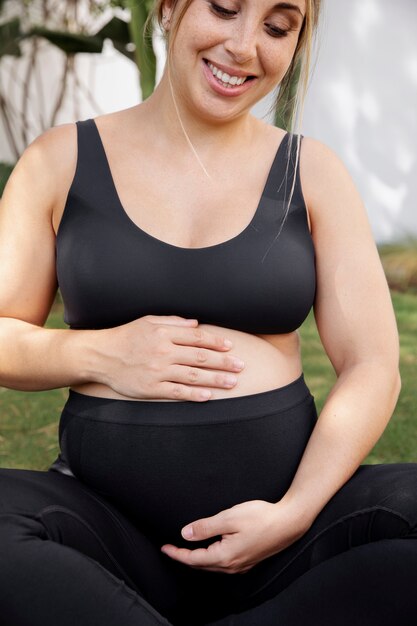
x: 80, y: 543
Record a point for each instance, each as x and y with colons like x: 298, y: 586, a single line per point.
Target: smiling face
x: 218, y: 44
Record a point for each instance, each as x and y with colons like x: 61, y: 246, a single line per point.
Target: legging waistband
x: 216, y: 410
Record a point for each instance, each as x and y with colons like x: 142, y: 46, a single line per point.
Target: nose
x: 242, y: 43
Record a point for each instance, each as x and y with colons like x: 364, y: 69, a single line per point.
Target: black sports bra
x: 111, y: 272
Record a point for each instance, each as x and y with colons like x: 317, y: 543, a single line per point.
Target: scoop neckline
x: 163, y: 243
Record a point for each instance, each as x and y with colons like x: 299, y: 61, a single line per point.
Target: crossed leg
x: 68, y: 556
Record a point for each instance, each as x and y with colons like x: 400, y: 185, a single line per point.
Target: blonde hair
x: 299, y: 71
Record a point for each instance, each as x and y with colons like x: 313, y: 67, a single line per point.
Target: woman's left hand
x: 251, y: 532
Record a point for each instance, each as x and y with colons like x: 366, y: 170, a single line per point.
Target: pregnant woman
x: 196, y: 483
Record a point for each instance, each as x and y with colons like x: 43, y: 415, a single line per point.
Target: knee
x: 23, y: 491
x: 13, y: 491
x: 401, y: 491
x: 16, y: 528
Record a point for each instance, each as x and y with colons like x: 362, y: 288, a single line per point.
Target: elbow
x: 397, y: 384
x: 387, y: 376
x: 395, y: 390
x: 392, y: 385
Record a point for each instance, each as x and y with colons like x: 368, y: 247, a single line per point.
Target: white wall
x: 362, y: 101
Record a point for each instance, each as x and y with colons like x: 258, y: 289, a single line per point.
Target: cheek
x: 275, y: 68
x: 276, y: 59
x: 212, y: 36
x: 196, y: 40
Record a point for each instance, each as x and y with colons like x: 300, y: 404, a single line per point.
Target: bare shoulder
x: 123, y: 121
x: 328, y: 187
x: 319, y: 162
x: 54, y: 150
x: 44, y: 170
x: 320, y: 169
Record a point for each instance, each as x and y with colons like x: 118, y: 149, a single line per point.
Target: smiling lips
x: 225, y: 83
x: 226, y: 79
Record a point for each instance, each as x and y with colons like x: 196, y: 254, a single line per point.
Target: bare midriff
x: 271, y: 361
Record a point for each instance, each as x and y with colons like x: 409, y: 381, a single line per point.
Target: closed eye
x: 275, y: 31
x: 221, y: 10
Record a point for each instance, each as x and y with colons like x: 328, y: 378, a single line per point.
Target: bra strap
x: 280, y: 182
x: 91, y: 176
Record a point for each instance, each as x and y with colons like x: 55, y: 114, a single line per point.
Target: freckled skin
x: 243, y: 41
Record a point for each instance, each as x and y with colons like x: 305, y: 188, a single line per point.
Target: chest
x: 111, y: 272
x: 173, y: 199
x: 257, y: 275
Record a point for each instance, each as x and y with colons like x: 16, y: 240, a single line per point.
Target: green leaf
x: 144, y: 54
x: 116, y: 30
x: 70, y: 43
x: 120, y: 47
x: 5, y: 171
x: 10, y: 33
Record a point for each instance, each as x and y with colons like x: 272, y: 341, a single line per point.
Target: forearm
x: 33, y: 358
x: 353, y: 418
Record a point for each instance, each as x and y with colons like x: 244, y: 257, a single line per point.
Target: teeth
x: 225, y: 78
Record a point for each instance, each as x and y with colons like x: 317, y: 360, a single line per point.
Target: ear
x: 167, y: 8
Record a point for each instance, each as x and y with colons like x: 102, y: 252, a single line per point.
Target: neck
x: 173, y: 120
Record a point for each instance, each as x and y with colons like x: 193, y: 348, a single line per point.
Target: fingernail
x: 187, y: 532
x: 227, y: 343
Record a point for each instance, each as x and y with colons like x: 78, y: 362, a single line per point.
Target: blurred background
x: 62, y: 61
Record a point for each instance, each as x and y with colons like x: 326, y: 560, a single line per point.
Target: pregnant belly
x: 270, y: 361
x: 167, y: 465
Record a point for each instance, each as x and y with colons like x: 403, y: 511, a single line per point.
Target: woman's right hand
x: 165, y: 356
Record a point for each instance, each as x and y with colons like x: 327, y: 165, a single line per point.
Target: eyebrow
x: 289, y: 6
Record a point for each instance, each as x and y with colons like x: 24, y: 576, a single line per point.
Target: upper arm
x: 353, y: 308
x: 27, y: 238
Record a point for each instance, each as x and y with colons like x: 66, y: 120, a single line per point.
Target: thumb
x: 205, y: 528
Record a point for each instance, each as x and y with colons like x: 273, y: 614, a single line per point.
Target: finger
x: 202, y: 377
x: 207, y: 527
x: 201, y: 338
x: 203, y: 358
x: 172, y: 320
x: 177, y: 391
x: 200, y: 557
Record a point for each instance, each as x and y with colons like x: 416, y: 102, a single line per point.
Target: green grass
x: 398, y: 441
x: 29, y: 420
x: 399, y: 260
